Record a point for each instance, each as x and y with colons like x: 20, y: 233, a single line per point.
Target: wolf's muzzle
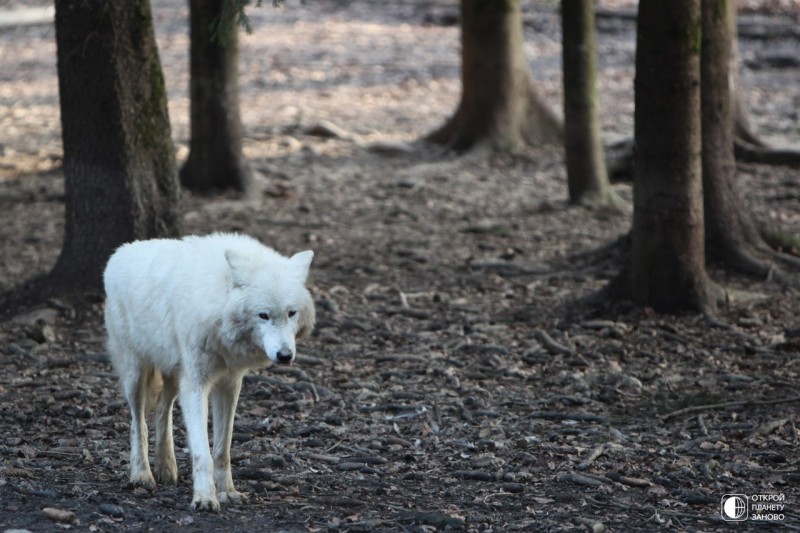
x: 285, y: 356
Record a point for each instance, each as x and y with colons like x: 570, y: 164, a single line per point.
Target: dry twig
x: 724, y: 405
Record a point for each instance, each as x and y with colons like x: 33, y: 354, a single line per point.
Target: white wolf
x: 187, y: 318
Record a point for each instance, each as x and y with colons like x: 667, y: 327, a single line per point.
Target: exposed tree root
x: 501, y: 130
x: 709, y: 295
x: 608, y: 202
x: 619, y: 156
x: 44, y: 290
x: 751, y: 153
x: 619, y: 161
x: 786, y: 245
x: 618, y: 247
x: 742, y: 131
x: 788, y: 260
x: 742, y: 260
x: 750, y: 147
x: 757, y: 260
x: 453, y: 135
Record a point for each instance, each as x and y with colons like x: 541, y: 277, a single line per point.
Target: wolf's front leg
x: 194, y: 405
x: 224, y: 397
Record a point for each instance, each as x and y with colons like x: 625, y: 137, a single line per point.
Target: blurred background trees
x: 121, y: 172
x: 687, y: 208
x: 215, y: 161
x: 587, y: 177
x: 500, y: 108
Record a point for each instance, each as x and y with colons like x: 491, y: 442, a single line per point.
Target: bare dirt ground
x: 457, y: 377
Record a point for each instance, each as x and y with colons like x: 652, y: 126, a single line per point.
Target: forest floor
x: 458, y: 376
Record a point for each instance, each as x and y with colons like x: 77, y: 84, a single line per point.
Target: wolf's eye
x: 292, y: 313
x: 263, y: 316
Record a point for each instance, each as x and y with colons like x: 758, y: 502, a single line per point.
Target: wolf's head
x: 273, y: 303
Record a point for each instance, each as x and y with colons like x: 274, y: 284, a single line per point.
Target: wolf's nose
x: 285, y: 355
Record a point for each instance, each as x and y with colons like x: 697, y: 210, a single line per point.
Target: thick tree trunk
x: 727, y: 224
x: 668, y: 257
x: 119, y: 165
x: 215, y: 153
x: 732, y: 237
x: 500, y: 108
x: 586, y: 168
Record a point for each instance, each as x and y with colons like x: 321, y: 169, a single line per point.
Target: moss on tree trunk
x: 119, y: 165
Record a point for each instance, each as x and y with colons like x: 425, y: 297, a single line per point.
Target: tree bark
x: 119, y: 165
x: 727, y: 223
x: 732, y: 237
x: 668, y: 257
x: 500, y: 108
x: 586, y: 169
x: 215, y: 160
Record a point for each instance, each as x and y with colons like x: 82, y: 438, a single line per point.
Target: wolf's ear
x: 302, y: 261
x: 239, y: 266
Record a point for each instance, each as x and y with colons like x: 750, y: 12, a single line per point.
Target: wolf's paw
x: 205, y: 503
x: 144, y: 480
x: 166, y: 474
x: 232, y: 497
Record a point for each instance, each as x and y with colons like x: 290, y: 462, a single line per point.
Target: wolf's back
x: 161, y: 296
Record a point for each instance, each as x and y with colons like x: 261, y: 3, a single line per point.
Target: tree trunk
x: 742, y: 129
x: 215, y: 153
x: 586, y: 169
x: 749, y: 146
x: 500, y: 108
x: 119, y: 165
x: 668, y: 257
x: 727, y: 225
x: 731, y: 235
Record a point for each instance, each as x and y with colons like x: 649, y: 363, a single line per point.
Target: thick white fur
x: 183, y: 321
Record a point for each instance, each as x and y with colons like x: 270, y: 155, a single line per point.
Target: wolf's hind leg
x: 166, y: 469
x: 135, y: 385
x: 224, y: 397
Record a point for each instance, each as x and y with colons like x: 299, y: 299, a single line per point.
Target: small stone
x: 329, y: 305
x: 15, y: 349
x: 750, y: 322
x: 47, y: 333
x: 46, y: 315
x: 59, y: 515
x: 112, y: 510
